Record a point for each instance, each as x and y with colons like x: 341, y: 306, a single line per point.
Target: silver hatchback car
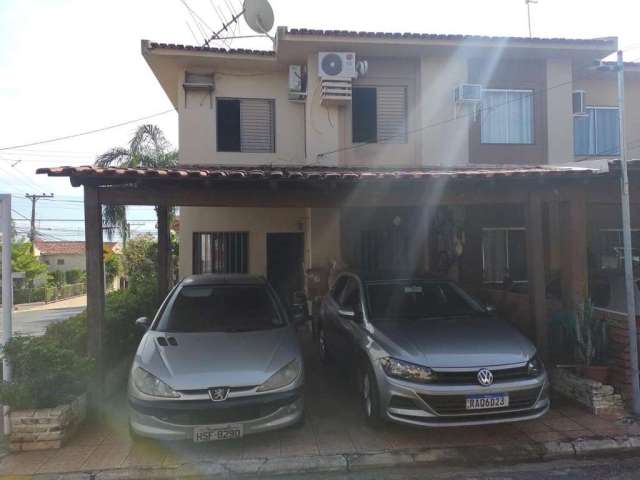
x: 220, y: 360
x: 426, y: 353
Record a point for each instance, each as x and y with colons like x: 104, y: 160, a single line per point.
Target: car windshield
x: 418, y: 299
x: 213, y: 308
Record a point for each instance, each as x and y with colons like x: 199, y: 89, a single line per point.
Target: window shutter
x: 392, y: 114
x: 256, y: 126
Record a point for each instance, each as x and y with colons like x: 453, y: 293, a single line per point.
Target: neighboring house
x: 65, y: 255
x: 522, y: 106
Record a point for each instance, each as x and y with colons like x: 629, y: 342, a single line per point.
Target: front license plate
x: 480, y: 402
x: 213, y: 434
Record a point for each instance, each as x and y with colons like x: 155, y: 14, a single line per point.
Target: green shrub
x: 74, y: 276
x: 45, y: 374
x: 70, y: 334
x: 56, y: 278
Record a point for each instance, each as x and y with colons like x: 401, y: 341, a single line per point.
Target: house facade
x: 401, y: 113
x: 66, y: 255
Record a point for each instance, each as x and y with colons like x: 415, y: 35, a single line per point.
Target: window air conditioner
x: 467, y: 93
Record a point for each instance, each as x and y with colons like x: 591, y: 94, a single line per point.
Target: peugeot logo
x: 218, y: 394
x: 485, y: 377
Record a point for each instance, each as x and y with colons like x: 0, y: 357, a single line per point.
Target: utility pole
x: 34, y: 197
x: 528, y: 3
x: 626, y: 238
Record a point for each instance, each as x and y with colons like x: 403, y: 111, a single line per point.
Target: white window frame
x: 508, y: 229
x: 595, y: 132
x: 533, y: 127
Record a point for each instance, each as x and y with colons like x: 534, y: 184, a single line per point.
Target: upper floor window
x: 60, y: 261
x: 379, y: 114
x: 597, y: 132
x: 245, y: 125
x: 507, y: 116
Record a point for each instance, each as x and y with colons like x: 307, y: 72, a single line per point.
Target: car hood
x: 204, y: 360
x: 454, y: 342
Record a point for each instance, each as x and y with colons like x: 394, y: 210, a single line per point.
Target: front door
x: 285, y: 264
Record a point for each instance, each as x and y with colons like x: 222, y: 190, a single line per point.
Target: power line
x: 34, y: 199
x: 87, y: 132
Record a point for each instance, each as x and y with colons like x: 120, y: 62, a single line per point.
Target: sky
x: 68, y: 66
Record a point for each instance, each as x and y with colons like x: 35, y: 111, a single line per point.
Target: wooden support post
x: 95, y: 284
x: 164, y: 250
x: 536, y: 271
x: 574, y: 250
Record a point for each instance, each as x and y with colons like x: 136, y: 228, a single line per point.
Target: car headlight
x: 151, y: 385
x: 406, y: 371
x: 283, y: 377
x: 534, y: 366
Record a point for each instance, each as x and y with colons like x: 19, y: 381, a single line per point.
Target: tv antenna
x: 257, y: 13
x: 528, y: 3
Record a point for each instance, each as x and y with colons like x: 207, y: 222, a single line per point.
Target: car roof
x: 224, y: 278
x: 393, y: 275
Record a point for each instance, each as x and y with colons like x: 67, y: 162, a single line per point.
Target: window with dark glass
x: 221, y: 252
x: 379, y: 114
x: 245, y: 125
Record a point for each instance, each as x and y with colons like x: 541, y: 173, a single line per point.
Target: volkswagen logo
x: 218, y: 394
x: 485, y: 377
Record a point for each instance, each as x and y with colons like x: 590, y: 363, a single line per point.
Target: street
x: 34, y: 320
x: 611, y: 467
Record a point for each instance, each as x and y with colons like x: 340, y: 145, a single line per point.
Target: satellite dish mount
x: 257, y: 13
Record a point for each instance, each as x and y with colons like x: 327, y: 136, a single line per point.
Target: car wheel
x: 369, y: 396
x: 323, y: 350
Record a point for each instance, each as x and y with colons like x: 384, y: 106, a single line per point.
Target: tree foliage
x: 147, y: 148
x: 23, y: 260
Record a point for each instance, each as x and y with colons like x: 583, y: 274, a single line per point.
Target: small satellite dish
x: 259, y: 15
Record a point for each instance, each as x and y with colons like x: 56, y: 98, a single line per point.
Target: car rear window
x: 418, y: 299
x: 209, y: 308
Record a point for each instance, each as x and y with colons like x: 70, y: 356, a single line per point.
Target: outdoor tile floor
x: 333, y: 425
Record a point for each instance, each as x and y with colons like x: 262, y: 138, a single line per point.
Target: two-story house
x: 415, y: 101
x: 487, y: 159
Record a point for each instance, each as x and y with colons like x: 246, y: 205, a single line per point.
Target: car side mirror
x: 143, y: 323
x: 491, y: 309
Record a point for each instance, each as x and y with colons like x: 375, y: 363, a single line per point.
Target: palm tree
x: 148, y: 148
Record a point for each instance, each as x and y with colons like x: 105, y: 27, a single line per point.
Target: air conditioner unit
x: 297, y: 82
x: 578, y: 98
x: 337, y: 65
x: 467, y: 93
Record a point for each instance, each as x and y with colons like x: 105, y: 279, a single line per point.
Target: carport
x: 551, y: 199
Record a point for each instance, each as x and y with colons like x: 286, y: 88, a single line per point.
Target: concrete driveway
x: 334, y: 436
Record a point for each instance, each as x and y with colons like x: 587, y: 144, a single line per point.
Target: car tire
x: 323, y: 348
x: 369, y: 395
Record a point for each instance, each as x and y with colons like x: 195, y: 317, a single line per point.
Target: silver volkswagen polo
x: 426, y: 353
x: 220, y: 360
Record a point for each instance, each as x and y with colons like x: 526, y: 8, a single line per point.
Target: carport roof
x: 102, y: 175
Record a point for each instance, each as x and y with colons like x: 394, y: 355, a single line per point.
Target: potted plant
x: 591, y: 339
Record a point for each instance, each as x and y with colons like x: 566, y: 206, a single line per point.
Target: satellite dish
x: 259, y: 15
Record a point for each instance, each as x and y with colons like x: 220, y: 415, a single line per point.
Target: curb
x: 458, y: 456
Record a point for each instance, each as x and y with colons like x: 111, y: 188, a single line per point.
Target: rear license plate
x: 213, y: 434
x: 480, y: 402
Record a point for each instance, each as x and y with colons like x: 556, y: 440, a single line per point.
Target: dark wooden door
x: 285, y: 264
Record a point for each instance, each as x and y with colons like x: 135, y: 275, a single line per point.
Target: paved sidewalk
x: 73, y: 302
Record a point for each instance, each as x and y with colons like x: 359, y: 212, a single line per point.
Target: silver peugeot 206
x: 424, y: 352
x: 220, y: 360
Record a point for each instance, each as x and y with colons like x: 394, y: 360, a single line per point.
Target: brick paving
x: 333, y: 425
